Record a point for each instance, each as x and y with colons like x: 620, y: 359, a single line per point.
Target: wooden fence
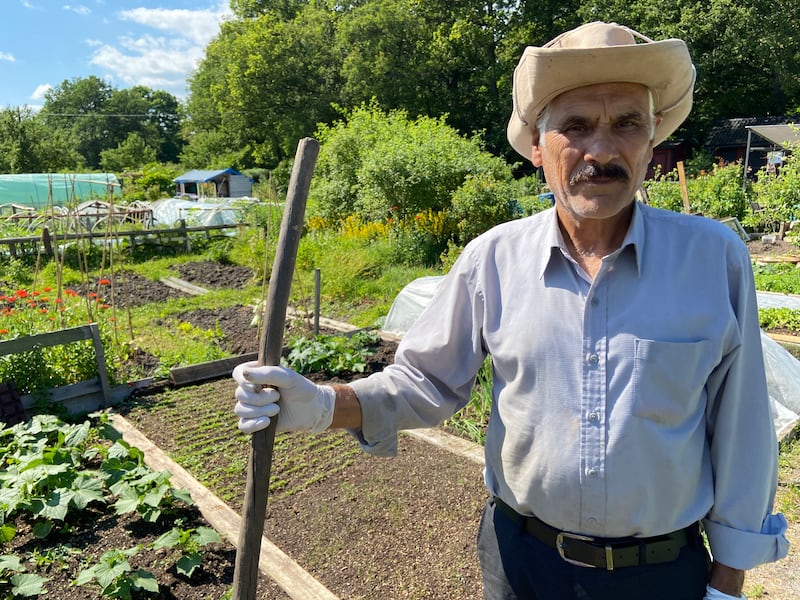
x: 74, y: 391
x: 48, y: 242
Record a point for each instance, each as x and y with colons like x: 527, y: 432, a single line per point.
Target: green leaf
x: 169, y: 539
x: 10, y: 562
x: 77, y: 434
x: 7, y: 533
x: 128, y: 502
x: 144, y: 580
x: 188, y: 563
x: 206, y: 535
x: 41, y: 529
x: 27, y: 584
x: 54, y: 506
x: 183, y: 495
x: 85, y: 490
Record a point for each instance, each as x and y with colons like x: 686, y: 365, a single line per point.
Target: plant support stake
x: 245, y: 577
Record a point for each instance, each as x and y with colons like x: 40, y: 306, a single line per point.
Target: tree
x: 99, y: 117
x: 270, y: 81
x: 27, y: 145
x: 130, y: 154
x: 76, y: 106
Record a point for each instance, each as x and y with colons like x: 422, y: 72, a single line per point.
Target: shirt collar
x: 553, y: 241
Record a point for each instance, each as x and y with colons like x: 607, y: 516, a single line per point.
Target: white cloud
x: 79, y: 9
x: 27, y: 4
x: 156, y: 61
x: 197, y: 25
x: 7, y: 57
x: 40, y: 91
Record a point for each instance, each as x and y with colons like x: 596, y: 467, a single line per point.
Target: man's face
x: 597, y: 145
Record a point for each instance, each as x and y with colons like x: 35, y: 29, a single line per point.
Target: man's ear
x: 536, y: 152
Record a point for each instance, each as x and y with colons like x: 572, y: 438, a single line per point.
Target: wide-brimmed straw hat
x: 601, y: 53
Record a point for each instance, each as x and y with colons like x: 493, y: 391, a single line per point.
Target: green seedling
x: 115, y: 576
x: 189, y: 542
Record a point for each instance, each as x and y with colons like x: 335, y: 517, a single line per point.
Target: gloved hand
x: 304, y: 405
x: 715, y: 594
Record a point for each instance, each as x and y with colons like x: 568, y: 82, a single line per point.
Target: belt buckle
x: 561, y: 546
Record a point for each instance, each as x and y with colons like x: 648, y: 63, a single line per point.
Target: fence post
x: 48, y: 246
x: 187, y: 245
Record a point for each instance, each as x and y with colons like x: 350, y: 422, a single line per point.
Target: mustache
x: 610, y: 171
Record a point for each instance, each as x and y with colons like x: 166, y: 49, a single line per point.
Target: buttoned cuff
x: 746, y: 549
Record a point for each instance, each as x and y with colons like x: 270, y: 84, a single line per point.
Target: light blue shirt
x: 633, y: 404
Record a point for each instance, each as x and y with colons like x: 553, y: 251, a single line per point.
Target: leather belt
x: 603, y: 553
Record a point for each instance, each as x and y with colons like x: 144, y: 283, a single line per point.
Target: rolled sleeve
x: 746, y: 549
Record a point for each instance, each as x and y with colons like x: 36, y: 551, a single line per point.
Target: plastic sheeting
x: 170, y: 211
x: 782, y: 368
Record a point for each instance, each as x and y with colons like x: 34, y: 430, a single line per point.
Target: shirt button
x: 593, y: 416
x: 594, y: 359
x: 592, y: 472
x: 595, y: 302
x: 591, y: 521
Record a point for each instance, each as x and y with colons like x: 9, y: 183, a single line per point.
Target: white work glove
x: 304, y: 405
x: 715, y: 594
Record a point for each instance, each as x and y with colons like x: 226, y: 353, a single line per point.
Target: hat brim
x: 664, y: 67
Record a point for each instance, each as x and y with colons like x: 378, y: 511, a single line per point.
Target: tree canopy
x: 280, y: 68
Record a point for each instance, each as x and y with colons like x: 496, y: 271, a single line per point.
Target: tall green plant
x: 777, y: 195
x: 717, y: 194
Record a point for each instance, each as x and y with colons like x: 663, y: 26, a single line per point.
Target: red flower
x: 104, y: 282
x: 22, y: 294
x: 35, y: 293
x: 43, y: 311
x: 3, y: 331
x: 59, y: 300
x: 92, y: 295
x: 47, y: 289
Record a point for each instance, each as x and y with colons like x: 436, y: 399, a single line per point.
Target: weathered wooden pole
x: 245, y: 578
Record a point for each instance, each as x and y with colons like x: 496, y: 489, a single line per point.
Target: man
x: 630, y: 401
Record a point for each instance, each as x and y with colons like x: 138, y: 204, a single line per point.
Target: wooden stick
x: 684, y: 189
x: 245, y: 578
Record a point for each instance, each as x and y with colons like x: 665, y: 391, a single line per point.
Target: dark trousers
x: 517, y: 566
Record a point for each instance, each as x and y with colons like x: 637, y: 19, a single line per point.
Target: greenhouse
x: 39, y: 190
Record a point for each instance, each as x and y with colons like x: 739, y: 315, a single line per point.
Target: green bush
x: 378, y: 165
x: 717, y: 194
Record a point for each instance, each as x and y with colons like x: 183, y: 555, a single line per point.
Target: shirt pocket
x: 669, y: 379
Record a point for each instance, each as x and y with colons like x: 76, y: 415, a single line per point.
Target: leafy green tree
x: 99, y: 117
x: 27, y: 145
x: 76, y: 106
x: 130, y: 154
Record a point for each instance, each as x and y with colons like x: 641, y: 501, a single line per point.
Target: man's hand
x: 725, y: 583
x: 304, y: 406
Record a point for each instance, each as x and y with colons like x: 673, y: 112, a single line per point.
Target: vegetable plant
x: 332, y: 354
x: 115, y: 576
x: 189, y: 542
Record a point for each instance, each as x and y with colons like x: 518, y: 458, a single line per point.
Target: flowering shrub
x: 30, y: 312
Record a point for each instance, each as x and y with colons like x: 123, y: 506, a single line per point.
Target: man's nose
x: 600, y: 147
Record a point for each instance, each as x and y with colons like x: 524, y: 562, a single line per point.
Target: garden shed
x: 37, y: 190
x: 223, y: 183
x: 731, y: 139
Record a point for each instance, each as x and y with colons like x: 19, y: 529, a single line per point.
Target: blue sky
x: 126, y: 42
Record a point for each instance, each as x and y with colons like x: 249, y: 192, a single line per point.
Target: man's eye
x: 575, y: 128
